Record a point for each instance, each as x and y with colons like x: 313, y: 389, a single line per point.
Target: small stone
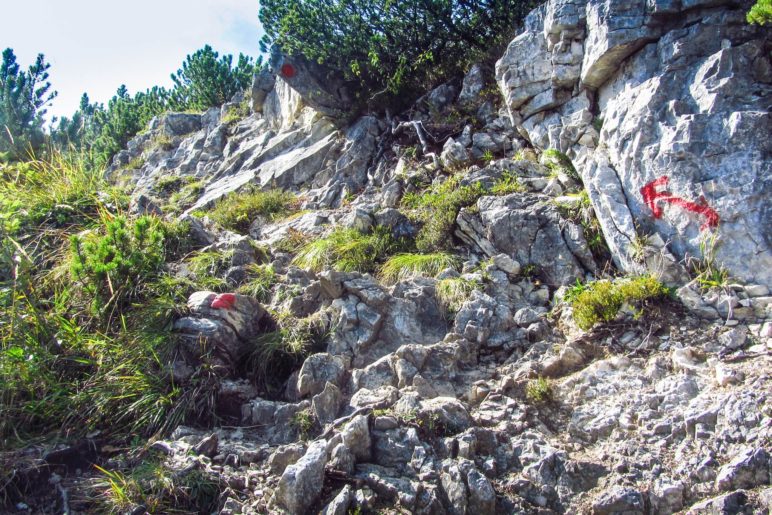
x: 356, y: 436
x: 756, y: 290
x: 208, y: 446
x: 506, y: 264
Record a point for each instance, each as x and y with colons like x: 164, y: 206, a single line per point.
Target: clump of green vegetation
x: 487, y: 157
x: 303, y: 421
x: 557, y: 161
x: 136, y: 163
x: 274, y: 355
x: 76, y: 354
x: 292, y: 242
x: 58, y: 192
x: 261, y: 280
x: 347, y: 250
x: 185, y: 196
x: 438, y: 208
x: 112, y: 265
x: 600, y: 301
x: 581, y: 212
x: 573, y: 291
x: 236, y: 113
x: 708, y: 273
x: 406, y: 266
x: 162, y: 141
x: 509, y: 183
x: 539, y: 390
x: 237, y: 211
x: 453, y: 292
x: 760, y: 13
x: 209, y: 267
x: 157, y: 488
x: 638, y: 247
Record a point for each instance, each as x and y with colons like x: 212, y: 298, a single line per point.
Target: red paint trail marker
x: 288, y: 71
x: 651, y: 196
x: 224, y: 301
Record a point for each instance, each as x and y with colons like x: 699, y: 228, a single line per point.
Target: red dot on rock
x: 224, y: 301
x: 287, y: 70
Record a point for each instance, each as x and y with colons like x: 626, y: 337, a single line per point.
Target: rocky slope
x: 504, y: 406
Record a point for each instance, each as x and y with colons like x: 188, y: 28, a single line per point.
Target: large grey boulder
x: 302, y: 482
x: 531, y: 231
x: 689, y: 83
x: 317, y: 370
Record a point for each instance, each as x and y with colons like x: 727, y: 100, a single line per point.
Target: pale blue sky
x: 95, y: 46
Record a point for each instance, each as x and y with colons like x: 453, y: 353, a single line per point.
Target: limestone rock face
x: 529, y: 230
x: 663, y: 108
x: 298, y: 135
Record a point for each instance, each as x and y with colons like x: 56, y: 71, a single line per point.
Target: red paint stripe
x: 651, y: 196
x: 224, y: 301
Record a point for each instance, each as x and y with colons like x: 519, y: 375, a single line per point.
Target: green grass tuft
x: 406, y: 266
x: 347, y: 250
x: 452, y: 293
x: 261, y: 280
x: 238, y: 210
x: 558, y: 161
x: 274, y: 355
x: 539, y: 391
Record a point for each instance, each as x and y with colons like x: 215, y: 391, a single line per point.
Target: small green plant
x: 236, y: 113
x: 708, y: 273
x: 574, y: 291
x: 261, y: 280
x: 274, y: 355
x: 303, y: 422
x: 539, y: 390
x: 580, y: 211
x: 410, y: 153
x: 760, y: 13
x: 529, y: 270
x: 406, y: 266
x: 487, y: 157
x: 347, y: 250
x: 112, y: 265
x: 638, y: 247
x: 292, y: 242
x: 162, y: 141
x: 170, y: 183
x: 154, y: 486
x: 185, y: 196
x: 508, y: 183
x: 453, y: 292
x: 556, y: 160
x: 209, y: 267
x: 438, y: 208
x: 600, y: 301
x: 597, y: 123
x: 237, y: 211
x: 136, y: 163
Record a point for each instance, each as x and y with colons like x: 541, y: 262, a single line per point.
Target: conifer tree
x: 24, y: 96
